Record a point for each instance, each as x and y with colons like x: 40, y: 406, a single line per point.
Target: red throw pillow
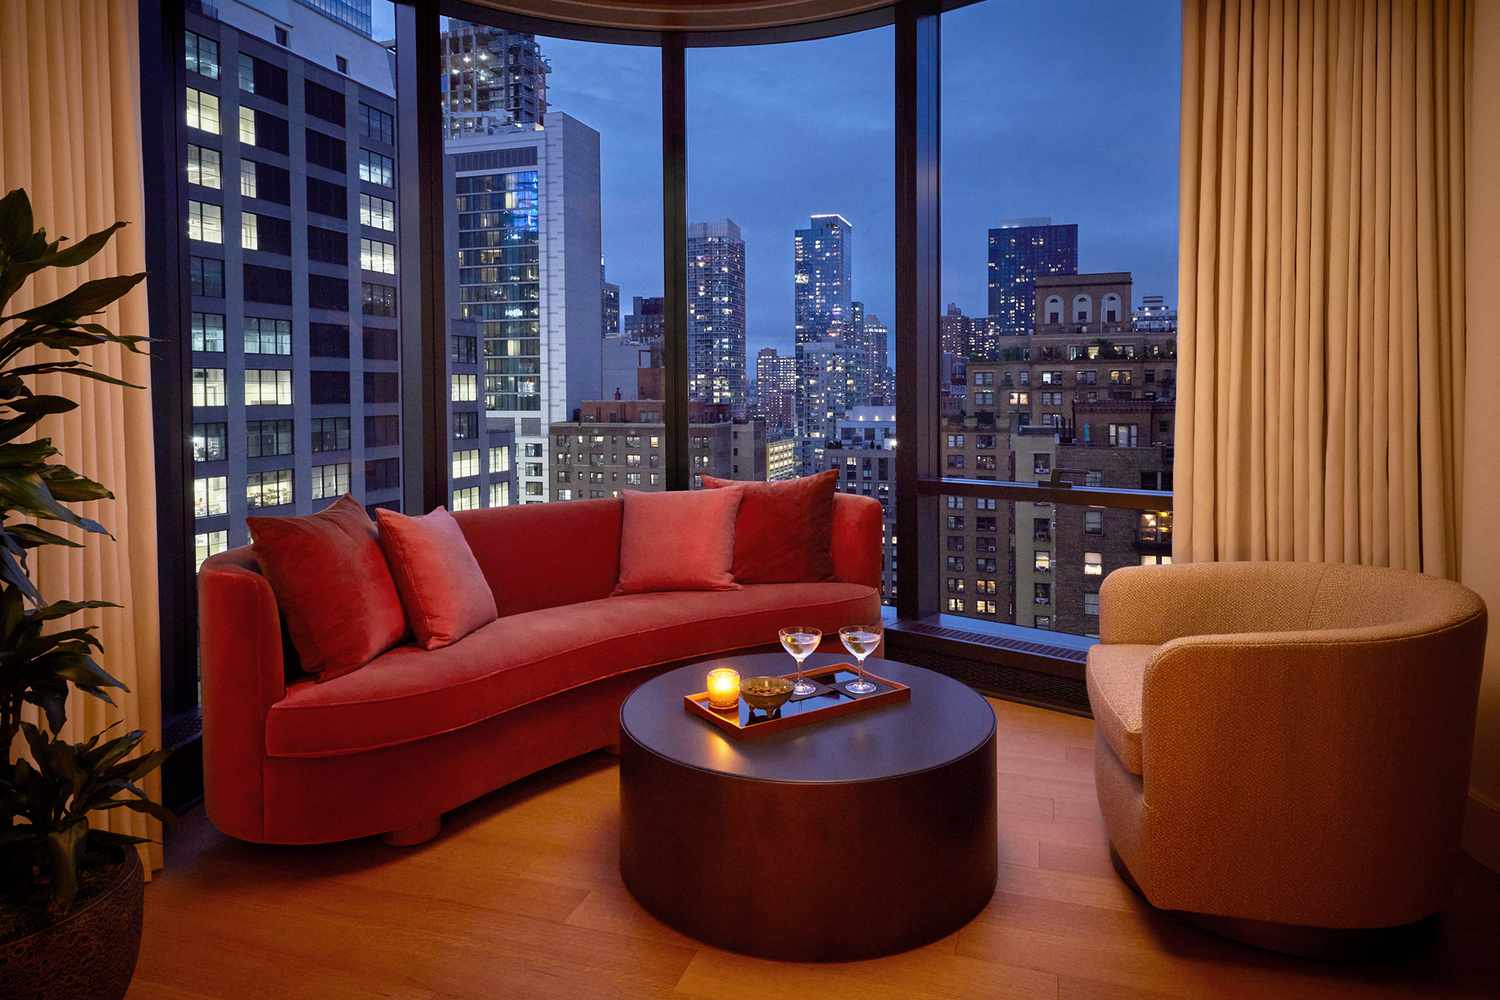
x: 440, y: 582
x: 682, y: 540
x: 332, y: 584
x: 784, y: 533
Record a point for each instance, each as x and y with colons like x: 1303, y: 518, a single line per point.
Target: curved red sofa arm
x: 243, y: 674
x: 858, y: 545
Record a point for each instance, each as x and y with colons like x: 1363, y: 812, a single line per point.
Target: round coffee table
x: 859, y: 836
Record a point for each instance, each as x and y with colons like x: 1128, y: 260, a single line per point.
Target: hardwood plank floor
x: 520, y: 897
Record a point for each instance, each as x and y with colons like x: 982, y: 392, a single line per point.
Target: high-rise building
x: 540, y: 315
x: 822, y: 286
x: 823, y: 256
x: 747, y: 452
x: 1020, y: 251
x: 1087, y: 399
x: 353, y: 14
x: 867, y: 344
x: 864, y: 453
x: 781, y: 458
x: 716, y: 314
x: 954, y: 331
x: 611, y: 305
x: 492, y: 77
x: 883, y: 379
x: 644, y: 323
x: 292, y: 241
x: 776, y: 389
x: 827, y: 385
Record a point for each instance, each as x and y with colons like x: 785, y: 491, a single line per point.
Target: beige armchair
x: 1286, y: 743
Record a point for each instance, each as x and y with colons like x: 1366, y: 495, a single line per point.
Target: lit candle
x: 723, y: 688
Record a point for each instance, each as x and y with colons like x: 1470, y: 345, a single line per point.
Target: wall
x: 1481, y: 551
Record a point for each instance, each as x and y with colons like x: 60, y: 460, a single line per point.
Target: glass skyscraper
x: 823, y: 256
x: 716, y: 314
x: 527, y: 234
x: 1020, y: 251
x: 499, y: 282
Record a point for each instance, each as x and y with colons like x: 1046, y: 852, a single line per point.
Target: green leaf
x: 109, y: 753
x: 13, y: 427
x: 83, y: 672
x: 108, y: 838
x: 28, y: 454
x: 43, y: 404
x: 146, y: 763
x: 146, y: 806
x: 68, y: 486
x: 89, y: 297
x: 15, y: 221
x: 28, y: 493
x: 81, y: 251
x: 50, y: 694
x: 32, y: 536
x: 12, y: 611
x: 98, y: 376
x: 36, y: 740
x: 62, y: 609
x: 13, y: 571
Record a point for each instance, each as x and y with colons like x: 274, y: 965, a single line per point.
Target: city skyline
x: 1124, y: 199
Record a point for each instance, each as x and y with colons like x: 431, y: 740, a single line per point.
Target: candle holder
x: 723, y: 689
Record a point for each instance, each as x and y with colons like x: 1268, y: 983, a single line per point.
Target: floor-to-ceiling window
x: 791, y: 263
x: 1058, y: 332
x: 1052, y: 338
x: 552, y: 160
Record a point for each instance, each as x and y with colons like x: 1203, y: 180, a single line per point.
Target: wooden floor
x: 520, y: 898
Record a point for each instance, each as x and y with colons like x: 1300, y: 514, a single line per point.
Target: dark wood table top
x: 943, y: 721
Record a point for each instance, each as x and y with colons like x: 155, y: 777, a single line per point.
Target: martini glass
x: 860, y: 641
x: 801, y: 641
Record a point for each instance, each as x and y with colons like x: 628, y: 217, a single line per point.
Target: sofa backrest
x: 545, y: 555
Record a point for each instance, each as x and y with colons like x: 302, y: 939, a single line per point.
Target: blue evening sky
x: 1065, y: 109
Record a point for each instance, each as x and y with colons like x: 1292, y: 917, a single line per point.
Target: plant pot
x: 88, y: 955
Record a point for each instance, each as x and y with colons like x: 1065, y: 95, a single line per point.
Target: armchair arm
x: 1151, y: 605
x: 242, y: 676
x: 1313, y: 776
x: 858, y: 545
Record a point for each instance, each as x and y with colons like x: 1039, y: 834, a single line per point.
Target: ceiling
x: 686, y: 15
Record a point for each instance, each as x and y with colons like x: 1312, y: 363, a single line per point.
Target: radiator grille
x: 996, y: 641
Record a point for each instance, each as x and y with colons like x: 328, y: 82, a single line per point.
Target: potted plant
x: 70, y: 896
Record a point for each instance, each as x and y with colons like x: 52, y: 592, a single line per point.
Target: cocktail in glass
x: 861, y: 641
x: 801, y: 641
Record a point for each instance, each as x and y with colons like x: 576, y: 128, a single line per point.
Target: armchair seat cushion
x: 410, y: 693
x: 1116, y: 679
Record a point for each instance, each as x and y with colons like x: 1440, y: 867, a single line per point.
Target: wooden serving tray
x: 744, y: 722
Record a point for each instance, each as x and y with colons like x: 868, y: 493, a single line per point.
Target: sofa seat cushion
x: 1116, y: 679
x: 411, y: 693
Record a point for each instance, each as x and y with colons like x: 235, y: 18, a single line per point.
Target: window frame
x: 406, y: 162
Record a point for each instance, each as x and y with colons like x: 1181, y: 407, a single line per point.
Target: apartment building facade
x: 292, y: 242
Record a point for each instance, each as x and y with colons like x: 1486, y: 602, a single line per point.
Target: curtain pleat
x: 1321, y: 281
x: 70, y: 135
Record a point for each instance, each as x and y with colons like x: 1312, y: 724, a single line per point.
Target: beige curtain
x: 1321, y: 383
x: 70, y: 134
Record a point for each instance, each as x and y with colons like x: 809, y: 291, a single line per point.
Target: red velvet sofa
x: 389, y: 748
